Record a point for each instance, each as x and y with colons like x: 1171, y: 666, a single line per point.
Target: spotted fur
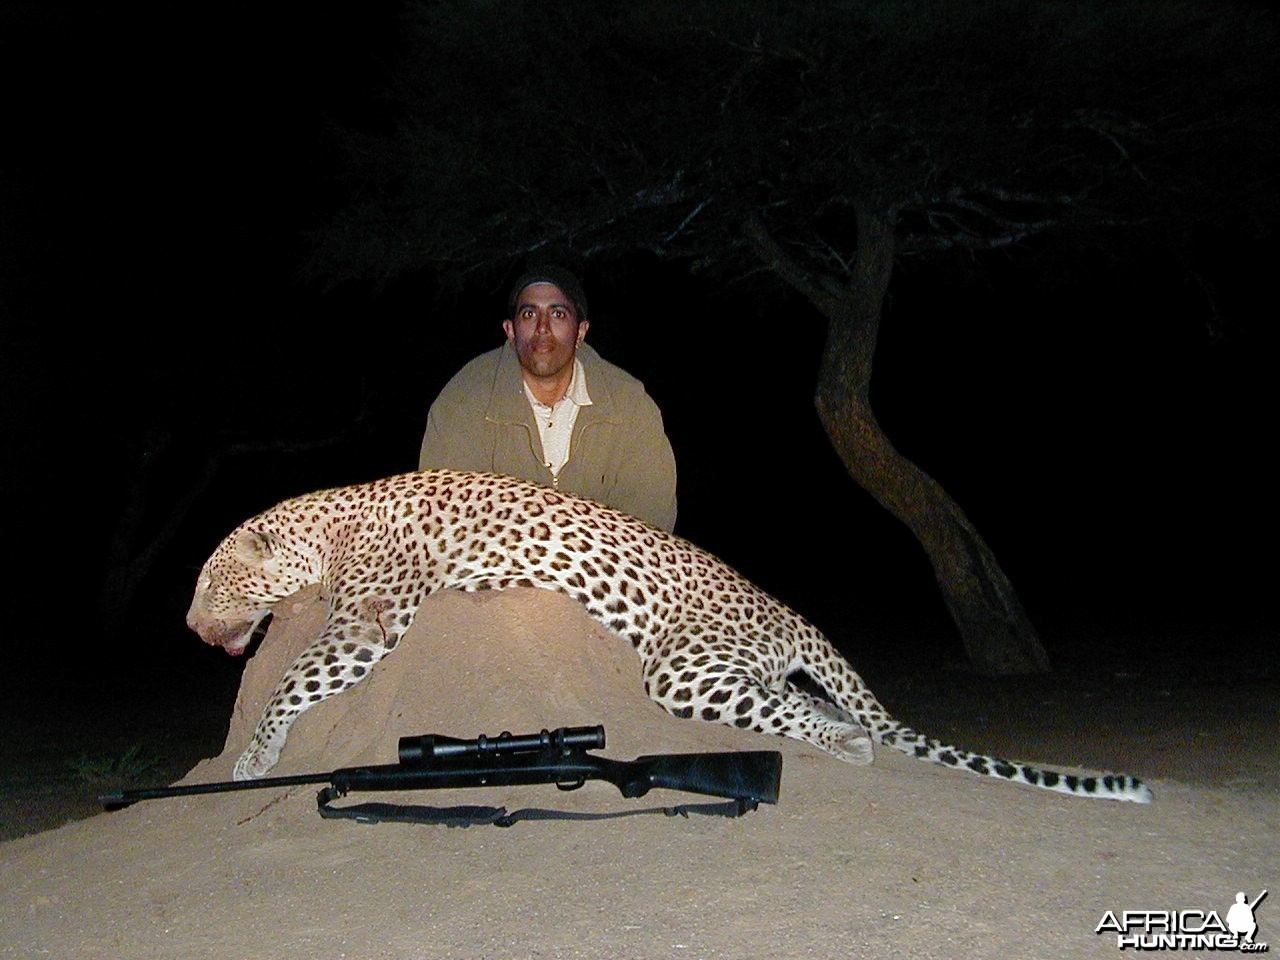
x: 713, y: 646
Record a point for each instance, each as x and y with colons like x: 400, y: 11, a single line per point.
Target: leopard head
x: 249, y: 571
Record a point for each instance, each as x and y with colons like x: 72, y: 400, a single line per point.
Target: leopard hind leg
x: 729, y: 693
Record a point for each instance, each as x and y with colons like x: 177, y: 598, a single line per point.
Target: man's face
x: 545, y: 330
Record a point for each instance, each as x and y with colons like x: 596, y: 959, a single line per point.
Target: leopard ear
x: 254, y: 546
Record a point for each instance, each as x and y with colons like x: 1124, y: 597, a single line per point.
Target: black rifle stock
x: 560, y: 757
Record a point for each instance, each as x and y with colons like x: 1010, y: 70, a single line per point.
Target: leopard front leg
x: 326, y: 668
x: 724, y: 691
x: 332, y: 664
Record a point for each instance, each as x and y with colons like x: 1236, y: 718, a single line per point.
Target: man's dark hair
x: 549, y: 273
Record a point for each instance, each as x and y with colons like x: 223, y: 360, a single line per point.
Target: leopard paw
x: 255, y: 762
x: 855, y: 749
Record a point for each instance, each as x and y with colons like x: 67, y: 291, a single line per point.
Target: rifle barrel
x: 122, y: 798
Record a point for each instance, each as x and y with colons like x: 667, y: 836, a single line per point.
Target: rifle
x: 560, y: 756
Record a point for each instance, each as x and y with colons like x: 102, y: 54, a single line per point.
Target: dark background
x: 1106, y: 432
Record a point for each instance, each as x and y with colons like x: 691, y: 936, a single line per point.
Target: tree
x: 822, y: 143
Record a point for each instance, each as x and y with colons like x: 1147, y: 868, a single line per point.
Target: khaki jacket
x: 619, y: 454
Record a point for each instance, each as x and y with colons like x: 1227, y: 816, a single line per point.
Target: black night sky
x: 1107, y: 433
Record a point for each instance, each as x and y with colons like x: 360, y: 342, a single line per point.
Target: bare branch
x: 822, y: 291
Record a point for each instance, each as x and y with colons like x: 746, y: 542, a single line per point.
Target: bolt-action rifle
x: 560, y: 756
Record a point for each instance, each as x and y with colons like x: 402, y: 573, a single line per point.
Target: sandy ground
x: 900, y: 859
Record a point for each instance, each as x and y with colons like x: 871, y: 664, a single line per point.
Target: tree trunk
x: 995, y: 630
x: 998, y: 636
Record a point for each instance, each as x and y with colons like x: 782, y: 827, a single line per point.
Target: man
x: 545, y: 407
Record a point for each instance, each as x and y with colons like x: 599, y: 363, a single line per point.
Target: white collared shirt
x: 555, y: 423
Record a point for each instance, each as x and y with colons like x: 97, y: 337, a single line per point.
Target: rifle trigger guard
x: 572, y: 785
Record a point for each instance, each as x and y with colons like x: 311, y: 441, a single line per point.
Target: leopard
x: 712, y: 645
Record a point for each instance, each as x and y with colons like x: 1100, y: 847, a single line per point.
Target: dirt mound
x: 523, y: 661
x: 901, y: 859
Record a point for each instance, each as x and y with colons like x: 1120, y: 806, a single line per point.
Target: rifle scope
x: 421, y: 750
